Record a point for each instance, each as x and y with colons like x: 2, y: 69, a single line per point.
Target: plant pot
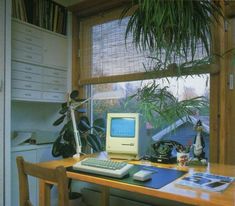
x: 182, y: 158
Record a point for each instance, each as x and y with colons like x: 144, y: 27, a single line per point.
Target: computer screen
x: 122, y: 127
x: 123, y: 135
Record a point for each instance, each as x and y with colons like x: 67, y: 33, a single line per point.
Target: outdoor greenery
x: 161, y: 108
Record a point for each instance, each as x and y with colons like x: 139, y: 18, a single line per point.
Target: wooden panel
x: 230, y: 9
x: 75, y: 48
x: 230, y: 58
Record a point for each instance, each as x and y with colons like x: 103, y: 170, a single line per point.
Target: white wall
x: 1, y: 101
x: 31, y: 116
x: 4, y: 100
x: 7, y: 102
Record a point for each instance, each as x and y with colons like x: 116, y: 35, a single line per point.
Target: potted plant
x: 172, y: 30
x: 160, y: 107
x: 91, y: 136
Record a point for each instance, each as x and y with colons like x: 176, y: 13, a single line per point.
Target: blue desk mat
x: 160, y: 176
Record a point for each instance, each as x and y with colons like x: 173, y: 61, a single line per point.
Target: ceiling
x: 68, y: 3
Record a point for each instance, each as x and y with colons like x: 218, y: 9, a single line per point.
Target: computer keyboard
x: 103, y: 167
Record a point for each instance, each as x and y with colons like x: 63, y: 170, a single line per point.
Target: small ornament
x: 198, y: 146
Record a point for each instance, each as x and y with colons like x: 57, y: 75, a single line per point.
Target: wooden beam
x: 170, y: 72
x: 91, y: 7
x: 230, y: 9
x: 75, y: 47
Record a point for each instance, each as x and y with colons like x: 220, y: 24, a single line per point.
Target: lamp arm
x: 76, y: 133
x: 77, y: 137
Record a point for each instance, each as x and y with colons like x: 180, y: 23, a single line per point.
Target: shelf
x: 43, y: 13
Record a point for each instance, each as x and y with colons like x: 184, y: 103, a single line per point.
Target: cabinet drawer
x: 18, y: 84
x: 55, y: 73
x: 26, y: 94
x: 54, y: 88
x: 18, y: 75
x: 26, y: 67
x: 54, y: 96
x: 27, y: 38
x: 19, y: 27
x: 54, y: 80
x: 27, y: 56
x: 26, y: 47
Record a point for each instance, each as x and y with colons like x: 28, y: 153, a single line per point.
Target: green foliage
x: 65, y: 144
x: 172, y: 29
x: 160, y: 107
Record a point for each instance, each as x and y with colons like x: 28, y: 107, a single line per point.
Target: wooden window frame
x: 219, y: 142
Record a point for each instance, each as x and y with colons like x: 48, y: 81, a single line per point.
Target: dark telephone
x: 165, y: 151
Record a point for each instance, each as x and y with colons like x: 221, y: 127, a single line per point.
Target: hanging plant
x: 171, y: 30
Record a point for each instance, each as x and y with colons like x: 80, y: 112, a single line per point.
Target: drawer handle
x: 55, y: 96
x: 28, y: 56
x: 56, y: 73
x: 27, y: 95
x: 28, y: 77
x: 28, y: 86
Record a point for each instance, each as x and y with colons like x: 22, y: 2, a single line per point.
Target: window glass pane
x: 182, y: 88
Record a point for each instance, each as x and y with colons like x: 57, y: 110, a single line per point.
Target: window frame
x: 212, y: 69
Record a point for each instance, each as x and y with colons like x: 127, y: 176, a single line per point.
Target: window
x: 183, y: 88
x: 112, y: 66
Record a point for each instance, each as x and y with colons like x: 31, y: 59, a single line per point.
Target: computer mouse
x: 142, y: 175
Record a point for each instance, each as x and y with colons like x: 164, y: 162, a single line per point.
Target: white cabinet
x: 32, y: 153
x: 54, y: 50
x: 39, y: 64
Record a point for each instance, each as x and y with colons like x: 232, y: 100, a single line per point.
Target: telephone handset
x: 163, y: 151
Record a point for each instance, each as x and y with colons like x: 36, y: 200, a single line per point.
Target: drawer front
x: 27, y: 56
x: 26, y: 47
x: 19, y: 27
x: 54, y: 80
x: 26, y: 94
x: 54, y: 96
x: 18, y: 75
x: 27, y: 38
x: 55, y: 73
x: 18, y: 84
x: 54, y: 88
x: 26, y: 67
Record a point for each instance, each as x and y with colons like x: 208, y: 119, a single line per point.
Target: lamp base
x: 77, y: 156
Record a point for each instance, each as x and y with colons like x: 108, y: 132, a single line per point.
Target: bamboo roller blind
x: 106, y: 57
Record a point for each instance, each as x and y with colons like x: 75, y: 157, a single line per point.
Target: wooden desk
x: 171, y: 191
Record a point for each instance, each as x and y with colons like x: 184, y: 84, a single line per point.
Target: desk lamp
x: 74, y: 105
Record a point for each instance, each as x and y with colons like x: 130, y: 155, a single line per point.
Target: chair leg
x: 44, y: 195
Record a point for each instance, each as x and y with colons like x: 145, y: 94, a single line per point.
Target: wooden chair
x: 55, y: 176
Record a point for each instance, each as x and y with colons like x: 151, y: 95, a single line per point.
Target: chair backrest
x: 57, y: 176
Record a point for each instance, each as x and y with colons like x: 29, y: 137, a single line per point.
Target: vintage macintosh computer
x: 124, y: 139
